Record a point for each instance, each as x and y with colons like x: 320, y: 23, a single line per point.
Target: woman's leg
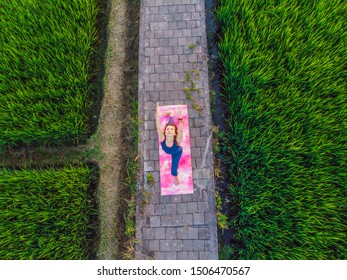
x: 175, y: 161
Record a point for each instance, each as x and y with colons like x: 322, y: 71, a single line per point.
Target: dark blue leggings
x: 176, y: 152
x: 175, y: 160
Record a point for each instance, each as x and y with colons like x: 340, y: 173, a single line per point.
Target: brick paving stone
x: 170, y: 233
x: 149, y: 145
x: 160, y: 233
x: 148, y: 233
x: 203, y: 206
x: 166, y: 220
x: 154, y: 221
x: 193, y: 255
x: 163, y: 77
x: 159, y: 209
x: 154, y: 198
x: 207, y: 247
x: 145, y: 245
x: 187, y: 219
x: 182, y: 209
x: 178, y: 67
x: 171, y: 256
x: 196, y: 16
x: 177, y: 245
x: 195, y: 132
x: 182, y: 255
x: 160, y: 255
x: 154, y: 10
x: 182, y: 233
x: 195, y: 152
x: 164, y: 95
x: 190, y: 8
x: 192, y: 207
x: 193, y: 233
x: 153, y: 154
x: 163, y: 9
x: 177, y: 220
x: 176, y: 199
x: 204, y: 233
x: 181, y: 25
x: 198, y: 245
x: 188, y: 245
x: 164, y: 58
x: 153, y: 245
x: 204, y: 255
x: 165, y: 245
x: 172, y: 25
x: 170, y: 208
x: 150, y: 209
x: 154, y: 59
x: 173, y: 42
x: 183, y: 58
x: 149, y: 166
x: 201, y: 196
x: 165, y: 199
x: 187, y: 198
x: 199, y: 218
x: 158, y: 87
x: 169, y: 86
x: 208, y: 217
x: 172, y: 9
x: 177, y: 17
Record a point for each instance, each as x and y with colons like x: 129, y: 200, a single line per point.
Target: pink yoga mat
x: 167, y: 181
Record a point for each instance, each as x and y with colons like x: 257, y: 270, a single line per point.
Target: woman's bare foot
x: 177, y: 180
x: 169, y: 113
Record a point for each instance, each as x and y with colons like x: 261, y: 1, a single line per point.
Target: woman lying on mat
x: 170, y: 139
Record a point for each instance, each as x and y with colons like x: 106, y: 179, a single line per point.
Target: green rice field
x: 45, y: 71
x: 284, y: 90
x: 46, y: 213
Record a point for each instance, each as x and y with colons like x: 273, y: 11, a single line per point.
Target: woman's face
x: 170, y: 130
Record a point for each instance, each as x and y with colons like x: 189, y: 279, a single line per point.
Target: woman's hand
x: 179, y: 113
x: 157, y: 109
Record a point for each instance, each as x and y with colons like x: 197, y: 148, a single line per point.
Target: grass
x: 47, y: 92
x: 284, y: 88
x: 130, y: 182
x: 46, y: 213
x: 45, y: 88
x: 190, y: 77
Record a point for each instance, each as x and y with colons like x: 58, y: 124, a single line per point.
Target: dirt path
x: 120, y: 82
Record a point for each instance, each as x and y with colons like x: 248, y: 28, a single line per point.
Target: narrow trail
x: 120, y: 82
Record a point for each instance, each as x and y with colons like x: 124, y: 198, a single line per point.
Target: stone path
x: 173, y: 69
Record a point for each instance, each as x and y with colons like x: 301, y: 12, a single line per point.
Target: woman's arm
x: 157, y: 120
x: 179, y: 128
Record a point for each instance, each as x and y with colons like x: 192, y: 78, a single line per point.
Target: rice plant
x: 284, y: 88
x: 45, y: 72
x: 46, y: 213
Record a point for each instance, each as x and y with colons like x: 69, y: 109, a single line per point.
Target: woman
x: 170, y: 139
